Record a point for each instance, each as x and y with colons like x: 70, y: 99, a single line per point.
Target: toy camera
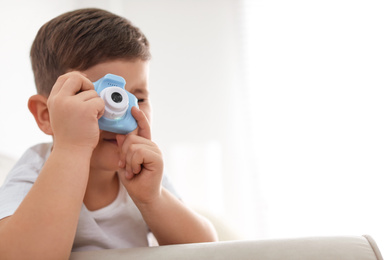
x: 117, y: 116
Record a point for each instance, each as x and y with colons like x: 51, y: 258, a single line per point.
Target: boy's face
x: 136, y: 73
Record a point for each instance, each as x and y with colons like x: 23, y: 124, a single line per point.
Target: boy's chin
x: 108, y: 167
x: 105, y: 161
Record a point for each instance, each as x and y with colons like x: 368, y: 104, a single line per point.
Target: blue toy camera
x: 117, y: 116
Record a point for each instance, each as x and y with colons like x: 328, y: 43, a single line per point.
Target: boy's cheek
x: 147, y: 110
x: 100, y: 135
x: 135, y: 132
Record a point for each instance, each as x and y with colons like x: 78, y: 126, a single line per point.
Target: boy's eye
x: 141, y: 100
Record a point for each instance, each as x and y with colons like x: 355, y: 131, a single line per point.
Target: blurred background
x: 273, y: 115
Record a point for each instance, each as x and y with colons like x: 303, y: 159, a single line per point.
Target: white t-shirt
x: 118, y: 225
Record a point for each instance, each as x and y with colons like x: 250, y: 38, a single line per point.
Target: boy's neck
x: 102, y: 190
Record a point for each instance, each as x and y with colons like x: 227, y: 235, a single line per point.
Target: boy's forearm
x: 174, y: 223
x: 45, y: 223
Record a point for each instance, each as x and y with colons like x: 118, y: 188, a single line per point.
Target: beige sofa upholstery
x: 313, y: 248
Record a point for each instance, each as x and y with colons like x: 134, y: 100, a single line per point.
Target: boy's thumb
x: 120, y: 139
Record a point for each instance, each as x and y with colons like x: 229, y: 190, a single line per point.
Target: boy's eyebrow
x: 140, y: 91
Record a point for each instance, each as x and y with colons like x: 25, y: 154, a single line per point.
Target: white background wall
x: 318, y: 74
x: 280, y: 135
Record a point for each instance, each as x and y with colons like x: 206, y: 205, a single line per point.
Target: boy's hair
x: 80, y: 39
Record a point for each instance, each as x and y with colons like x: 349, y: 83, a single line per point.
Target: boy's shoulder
x: 33, y: 158
x: 36, y: 154
x: 21, y: 178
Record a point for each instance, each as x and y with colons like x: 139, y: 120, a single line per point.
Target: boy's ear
x: 37, y: 105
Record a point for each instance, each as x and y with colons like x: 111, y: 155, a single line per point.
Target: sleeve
x: 20, y: 180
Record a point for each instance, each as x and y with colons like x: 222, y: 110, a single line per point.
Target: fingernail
x: 120, y: 164
x: 127, y: 175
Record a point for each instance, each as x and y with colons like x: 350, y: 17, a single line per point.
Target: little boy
x: 90, y: 189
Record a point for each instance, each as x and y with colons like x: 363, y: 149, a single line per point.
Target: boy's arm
x: 172, y: 222
x: 141, y: 169
x: 44, y: 225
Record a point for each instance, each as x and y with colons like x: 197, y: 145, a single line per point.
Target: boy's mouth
x: 111, y: 140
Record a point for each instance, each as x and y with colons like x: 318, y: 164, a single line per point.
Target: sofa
x: 310, y: 248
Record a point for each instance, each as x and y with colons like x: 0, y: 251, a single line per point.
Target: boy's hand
x: 74, y: 109
x: 141, y: 163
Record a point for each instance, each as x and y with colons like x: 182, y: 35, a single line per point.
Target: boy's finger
x: 58, y: 84
x: 143, y: 123
x: 98, y: 104
x: 88, y: 95
x: 120, y: 139
x: 72, y: 83
x: 122, y: 156
x: 76, y: 83
x: 124, y: 175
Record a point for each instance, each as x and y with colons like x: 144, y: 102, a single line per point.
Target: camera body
x: 117, y: 116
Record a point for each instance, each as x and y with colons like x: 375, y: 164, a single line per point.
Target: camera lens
x: 116, y: 97
x: 116, y: 101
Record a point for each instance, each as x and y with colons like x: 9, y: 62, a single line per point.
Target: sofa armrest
x: 318, y: 248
